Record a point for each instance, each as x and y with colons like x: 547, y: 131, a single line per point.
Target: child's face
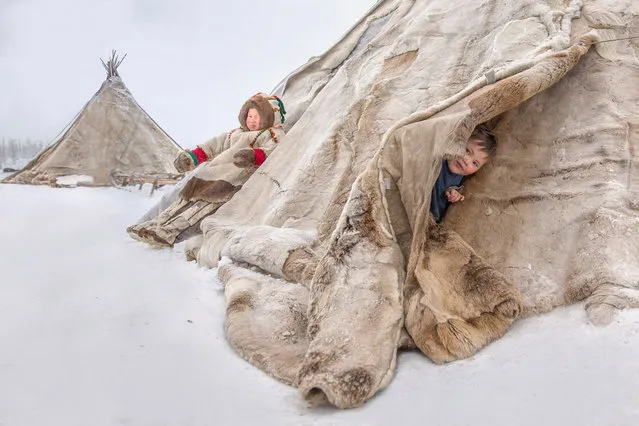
x: 473, y: 160
x: 253, y: 120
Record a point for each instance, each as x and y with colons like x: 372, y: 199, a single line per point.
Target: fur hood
x: 270, y: 108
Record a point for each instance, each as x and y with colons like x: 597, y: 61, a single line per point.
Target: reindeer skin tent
x: 111, y: 137
x: 330, y: 262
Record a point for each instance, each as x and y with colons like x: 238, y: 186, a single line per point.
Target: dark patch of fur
x: 437, y: 236
x: 213, y: 191
x: 315, y: 361
x: 477, y: 275
x: 361, y: 226
x: 300, y: 265
x: 356, y: 385
x: 313, y: 329
x: 484, y: 285
x: 241, y: 302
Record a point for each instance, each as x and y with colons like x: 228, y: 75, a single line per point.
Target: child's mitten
x: 244, y: 157
x: 188, y: 160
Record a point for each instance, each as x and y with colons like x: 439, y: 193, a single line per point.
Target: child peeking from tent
x: 480, y: 147
x: 225, y: 164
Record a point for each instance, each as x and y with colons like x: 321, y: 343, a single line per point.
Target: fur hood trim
x: 270, y: 108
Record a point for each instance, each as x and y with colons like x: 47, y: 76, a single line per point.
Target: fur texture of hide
x: 369, y: 280
x: 459, y: 303
x: 339, y: 220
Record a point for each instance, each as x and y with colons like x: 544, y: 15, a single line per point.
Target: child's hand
x: 453, y: 195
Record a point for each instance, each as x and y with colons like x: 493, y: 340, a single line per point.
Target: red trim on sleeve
x: 200, y: 155
x: 260, y: 156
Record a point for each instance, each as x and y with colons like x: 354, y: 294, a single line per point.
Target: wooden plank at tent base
x: 157, y: 180
x: 118, y: 179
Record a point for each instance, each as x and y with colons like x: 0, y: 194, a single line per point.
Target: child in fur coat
x: 224, y: 163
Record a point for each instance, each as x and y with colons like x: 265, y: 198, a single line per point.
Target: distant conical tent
x: 111, y: 135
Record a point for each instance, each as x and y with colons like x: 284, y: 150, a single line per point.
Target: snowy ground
x: 97, y: 329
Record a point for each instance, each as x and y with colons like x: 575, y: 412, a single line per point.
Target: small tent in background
x: 111, y: 140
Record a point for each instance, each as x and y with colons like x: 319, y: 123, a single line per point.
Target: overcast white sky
x: 190, y: 63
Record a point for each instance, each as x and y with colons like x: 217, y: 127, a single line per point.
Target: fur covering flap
x: 334, y: 332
